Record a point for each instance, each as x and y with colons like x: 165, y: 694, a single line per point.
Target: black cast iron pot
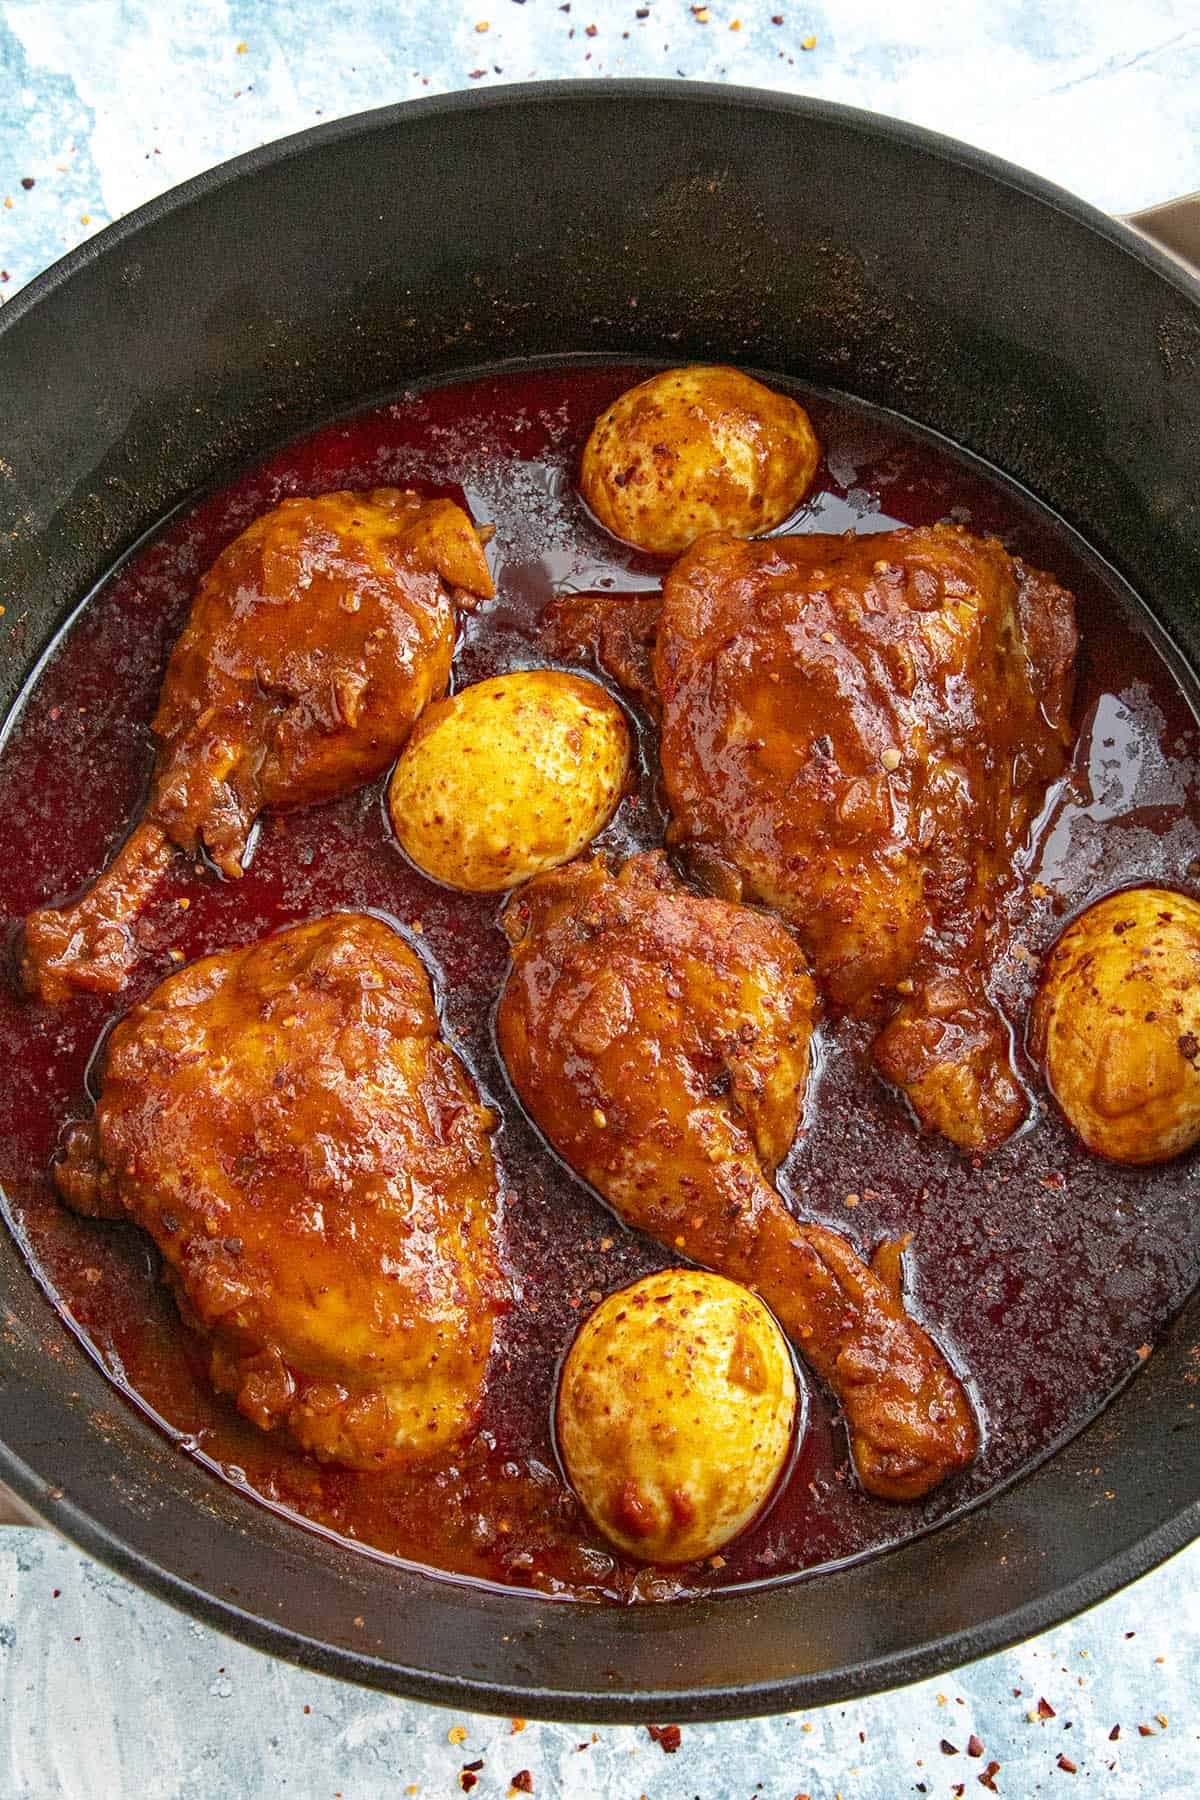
x: 635, y: 218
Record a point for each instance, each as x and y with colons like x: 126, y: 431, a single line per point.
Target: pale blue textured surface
x: 104, y: 1693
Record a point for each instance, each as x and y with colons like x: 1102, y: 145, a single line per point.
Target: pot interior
x: 790, y: 237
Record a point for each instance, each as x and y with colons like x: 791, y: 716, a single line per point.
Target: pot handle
x: 1174, y: 226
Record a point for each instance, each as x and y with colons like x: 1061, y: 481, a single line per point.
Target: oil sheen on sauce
x: 1044, y: 1271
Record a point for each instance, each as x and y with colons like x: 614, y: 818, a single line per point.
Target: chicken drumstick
x: 660, y: 1039
x: 314, y: 643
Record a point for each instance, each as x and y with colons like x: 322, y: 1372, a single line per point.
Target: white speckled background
x: 107, y: 1695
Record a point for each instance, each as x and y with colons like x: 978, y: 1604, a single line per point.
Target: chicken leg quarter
x: 660, y: 1039
x: 314, y: 643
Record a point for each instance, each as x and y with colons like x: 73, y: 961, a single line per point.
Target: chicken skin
x: 858, y: 731
x: 314, y: 643
x: 314, y: 1166
x: 660, y: 1040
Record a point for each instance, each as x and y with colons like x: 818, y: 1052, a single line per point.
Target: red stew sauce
x: 1045, y: 1272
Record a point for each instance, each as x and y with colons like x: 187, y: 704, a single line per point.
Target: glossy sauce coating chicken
x: 313, y: 1164
x: 858, y: 731
x: 314, y: 643
x: 660, y: 1039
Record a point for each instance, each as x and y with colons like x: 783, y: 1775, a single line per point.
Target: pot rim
x: 737, y: 1700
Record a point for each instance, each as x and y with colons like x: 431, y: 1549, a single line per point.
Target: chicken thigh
x: 313, y: 1164
x: 858, y: 731
x: 660, y: 1039
x: 314, y: 643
